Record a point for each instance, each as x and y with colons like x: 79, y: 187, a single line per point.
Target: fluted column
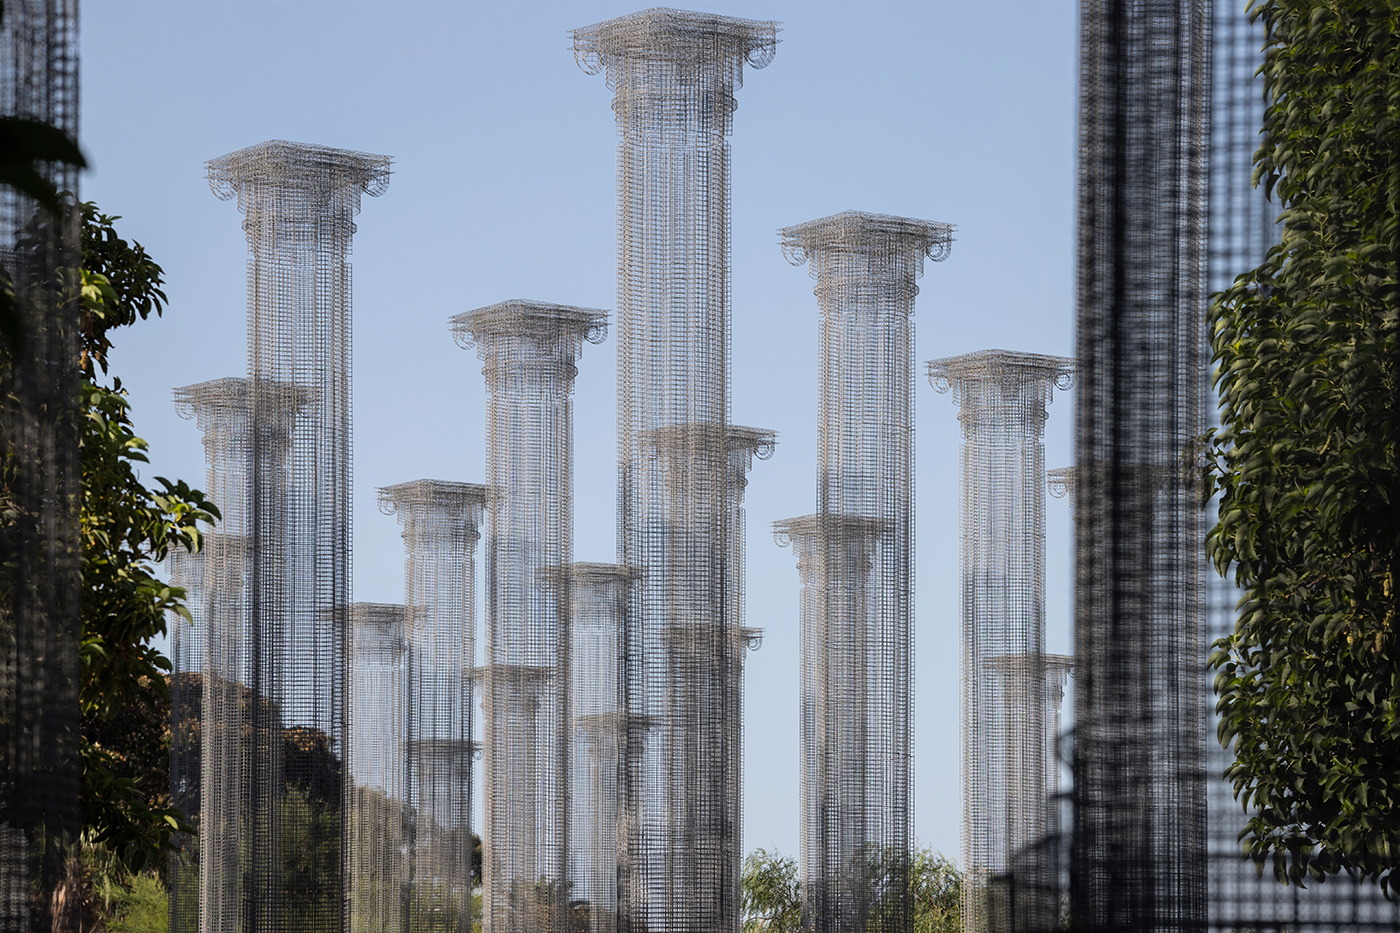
x: 1003, y: 398
x: 529, y: 349
x: 858, y: 677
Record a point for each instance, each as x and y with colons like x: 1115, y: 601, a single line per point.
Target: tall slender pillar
x: 441, y: 526
x: 856, y: 558
x: 1002, y: 398
x: 299, y: 203
x: 1139, y: 849
x: 377, y: 816
x: 529, y: 349
x: 674, y: 75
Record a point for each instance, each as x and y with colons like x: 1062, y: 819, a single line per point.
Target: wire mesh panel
x: 1011, y: 882
x: 1138, y: 851
x: 210, y: 660
x: 40, y: 575
x: 441, y: 522
x: 674, y: 75
x: 1242, y: 228
x: 299, y: 203
x: 530, y: 349
x: 855, y: 557
x: 376, y: 857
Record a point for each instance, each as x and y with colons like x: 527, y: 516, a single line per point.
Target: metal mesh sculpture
x: 1011, y: 882
x: 299, y: 202
x: 1138, y: 851
x: 40, y: 574
x: 441, y: 522
x: 377, y: 842
x: 529, y: 349
x: 674, y: 75
x: 855, y: 557
x: 187, y: 650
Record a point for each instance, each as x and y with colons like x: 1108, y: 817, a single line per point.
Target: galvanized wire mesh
x: 282, y: 688
x: 187, y: 648
x: 1010, y: 876
x: 1242, y: 228
x: 674, y: 75
x: 855, y: 557
x: 40, y: 574
x: 378, y: 831
x: 441, y: 526
x: 1138, y: 850
x: 529, y: 349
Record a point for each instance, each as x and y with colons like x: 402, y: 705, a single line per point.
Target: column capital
x: 302, y: 166
x: 1001, y: 388
x: 521, y: 317
x: 662, y: 34
x: 463, y: 501
x: 377, y: 627
x: 859, y: 232
x: 818, y: 529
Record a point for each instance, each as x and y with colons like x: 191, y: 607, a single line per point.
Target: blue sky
x: 503, y: 188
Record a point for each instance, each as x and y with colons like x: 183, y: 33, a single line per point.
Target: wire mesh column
x: 376, y: 818
x: 299, y: 203
x: 1138, y: 851
x: 1009, y: 877
x: 211, y: 661
x: 674, y: 75
x: 441, y: 526
x: 40, y: 570
x: 855, y: 556
x: 529, y: 349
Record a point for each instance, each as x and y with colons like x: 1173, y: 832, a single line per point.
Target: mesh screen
x: 274, y: 701
x: 441, y: 522
x: 1009, y: 687
x: 855, y: 557
x: 40, y: 574
x: 377, y: 826
x: 1138, y: 849
x: 529, y: 349
x: 1242, y: 228
x: 674, y: 75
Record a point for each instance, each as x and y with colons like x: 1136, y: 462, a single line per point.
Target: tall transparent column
x: 857, y: 651
x: 529, y: 349
x: 299, y: 203
x: 1002, y: 398
x: 376, y: 812
x: 441, y: 526
x: 674, y: 75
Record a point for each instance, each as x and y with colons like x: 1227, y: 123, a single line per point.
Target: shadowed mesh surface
x: 855, y: 557
x: 674, y: 75
x: 1010, y: 690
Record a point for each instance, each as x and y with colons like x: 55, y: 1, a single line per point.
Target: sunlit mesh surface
x: 674, y: 75
x: 1138, y: 850
x: 441, y: 526
x: 40, y: 574
x: 1242, y: 228
x: 529, y: 349
x: 377, y: 824
x: 1010, y: 876
x: 276, y: 688
x: 855, y: 557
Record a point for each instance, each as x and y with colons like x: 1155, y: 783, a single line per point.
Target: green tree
x: 1306, y: 352
x: 770, y: 893
x: 127, y: 528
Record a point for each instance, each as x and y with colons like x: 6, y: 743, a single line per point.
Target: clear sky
x: 503, y: 188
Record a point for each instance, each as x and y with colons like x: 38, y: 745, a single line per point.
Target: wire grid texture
x: 441, y: 526
x: 674, y: 75
x: 855, y: 556
x: 40, y: 575
x: 377, y: 830
x: 299, y: 203
x: 218, y: 604
x: 1242, y: 228
x: 529, y: 349
x: 1138, y: 859
x: 1010, y: 876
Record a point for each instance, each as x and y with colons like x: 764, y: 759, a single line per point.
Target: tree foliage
x: 1306, y: 351
x: 127, y: 528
